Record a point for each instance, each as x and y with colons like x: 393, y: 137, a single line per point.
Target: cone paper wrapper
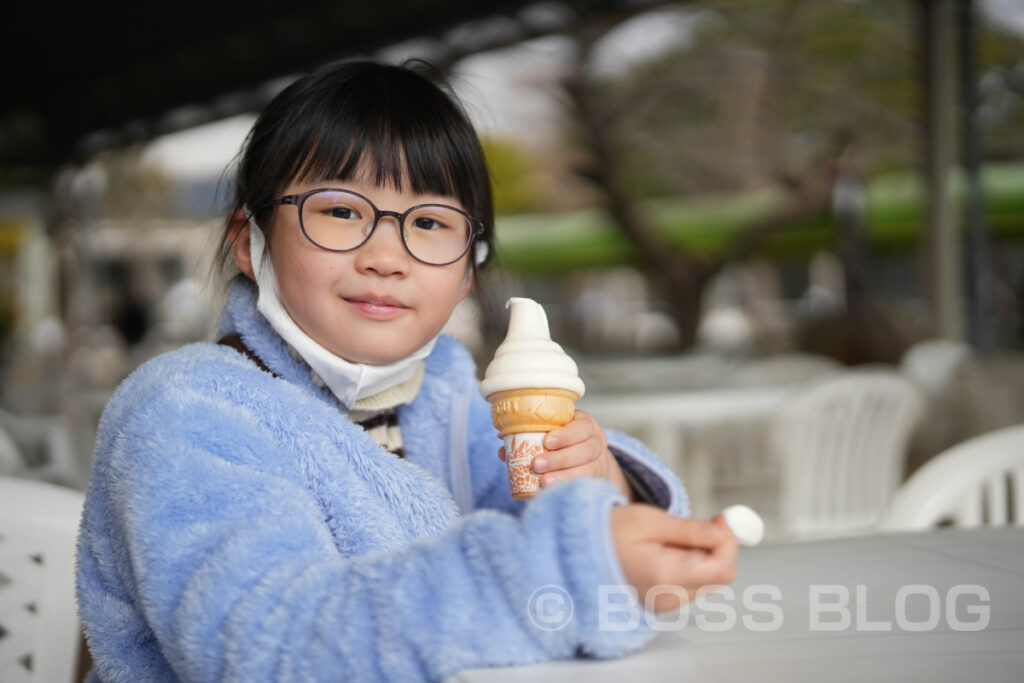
x: 520, y: 450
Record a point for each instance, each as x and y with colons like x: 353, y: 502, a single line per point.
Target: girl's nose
x: 384, y: 253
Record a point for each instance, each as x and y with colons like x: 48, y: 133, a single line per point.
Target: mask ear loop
x: 480, y: 252
x: 250, y: 220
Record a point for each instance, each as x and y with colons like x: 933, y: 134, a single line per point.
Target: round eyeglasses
x: 342, y: 220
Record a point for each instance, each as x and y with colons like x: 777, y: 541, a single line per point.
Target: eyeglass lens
x: 342, y: 221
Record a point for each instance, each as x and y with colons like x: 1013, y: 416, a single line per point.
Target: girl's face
x: 376, y: 304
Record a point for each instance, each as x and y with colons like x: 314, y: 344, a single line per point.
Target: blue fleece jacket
x: 238, y: 527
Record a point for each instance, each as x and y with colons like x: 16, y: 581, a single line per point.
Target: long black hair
x: 398, y: 122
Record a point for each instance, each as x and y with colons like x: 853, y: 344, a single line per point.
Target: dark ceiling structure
x: 85, y: 77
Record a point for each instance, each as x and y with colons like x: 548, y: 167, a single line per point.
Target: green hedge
x: 894, y: 219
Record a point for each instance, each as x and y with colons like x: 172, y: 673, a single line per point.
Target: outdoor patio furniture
x: 938, y: 367
x: 841, y: 445
x: 690, y: 430
x: 45, y: 449
x: 937, y: 605
x: 11, y: 460
x: 978, y: 482
x: 785, y: 368
x: 39, y: 629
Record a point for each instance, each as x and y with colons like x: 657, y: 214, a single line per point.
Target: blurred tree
x: 764, y: 93
x: 514, y: 176
x: 762, y: 88
x: 1001, y: 81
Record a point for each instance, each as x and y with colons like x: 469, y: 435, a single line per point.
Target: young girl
x: 319, y: 496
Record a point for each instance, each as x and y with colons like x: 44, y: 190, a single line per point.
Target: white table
x: 690, y: 430
x: 891, y: 581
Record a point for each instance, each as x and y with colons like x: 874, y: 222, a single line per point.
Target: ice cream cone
x: 532, y: 386
x: 522, y: 418
x: 531, y: 410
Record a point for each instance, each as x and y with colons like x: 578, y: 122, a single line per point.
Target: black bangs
x: 396, y: 126
x: 356, y: 117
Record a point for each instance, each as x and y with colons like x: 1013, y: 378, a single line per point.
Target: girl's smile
x: 377, y: 307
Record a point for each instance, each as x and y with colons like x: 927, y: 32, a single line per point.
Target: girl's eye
x: 342, y: 213
x: 425, y: 223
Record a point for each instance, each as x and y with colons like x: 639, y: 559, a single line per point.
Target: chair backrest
x: 786, y: 368
x: 12, y: 462
x: 933, y: 363
x: 977, y: 482
x: 46, y: 450
x: 39, y: 629
x: 710, y: 438
x: 841, y: 444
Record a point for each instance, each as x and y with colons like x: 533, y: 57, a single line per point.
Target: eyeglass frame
x: 298, y: 200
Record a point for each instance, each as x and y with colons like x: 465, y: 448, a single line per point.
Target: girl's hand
x: 689, y: 556
x: 578, y: 449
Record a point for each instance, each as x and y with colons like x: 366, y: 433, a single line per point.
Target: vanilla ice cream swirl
x: 527, y: 358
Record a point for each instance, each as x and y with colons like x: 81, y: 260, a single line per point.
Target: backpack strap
x: 234, y: 340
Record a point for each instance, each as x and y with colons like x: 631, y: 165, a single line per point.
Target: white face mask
x: 350, y: 382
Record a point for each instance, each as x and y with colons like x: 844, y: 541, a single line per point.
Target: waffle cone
x: 531, y: 410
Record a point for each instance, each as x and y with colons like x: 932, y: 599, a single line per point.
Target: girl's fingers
x: 696, y: 571
x: 566, y: 459
x: 714, y: 569
x: 552, y: 478
x: 682, y: 558
x: 580, y: 429
x: 719, y: 565
x: 688, y: 533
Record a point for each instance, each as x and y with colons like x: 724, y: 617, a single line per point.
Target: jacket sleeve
x: 238, y: 577
x: 653, y: 479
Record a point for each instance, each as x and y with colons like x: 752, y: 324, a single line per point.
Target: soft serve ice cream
x: 532, y: 386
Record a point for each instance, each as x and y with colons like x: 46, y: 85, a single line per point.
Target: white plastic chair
x: 692, y: 431
x: 977, y: 482
x: 933, y: 363
x: 12, y: 462
x: 39, y: 629
x: 785, y: 368
x: 939, y: 367
x: 46, y: 447
x: 841, y: 444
